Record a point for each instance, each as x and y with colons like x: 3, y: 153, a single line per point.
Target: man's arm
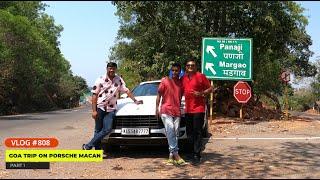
x: 157, y: 105
x: 207, y: 91
x: 159, y: 94
x: 208, y: 85
x: 130, y: 95
x: 94, y: 106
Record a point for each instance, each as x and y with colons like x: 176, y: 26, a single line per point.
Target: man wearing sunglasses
x: 196, y: 88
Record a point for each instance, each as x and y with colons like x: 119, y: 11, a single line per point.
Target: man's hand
x: 94, y: 115
x: 157, y: 113
x: 198, y: 94
x: 134, y: 100
x: 138, y: 102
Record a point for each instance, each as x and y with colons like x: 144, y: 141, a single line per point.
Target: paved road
x: 222, y: 158
x: 305, y: 115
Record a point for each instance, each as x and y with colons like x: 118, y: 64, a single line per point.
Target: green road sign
x: 227, y: 58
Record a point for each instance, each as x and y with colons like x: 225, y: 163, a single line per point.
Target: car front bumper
x: 156, y: 137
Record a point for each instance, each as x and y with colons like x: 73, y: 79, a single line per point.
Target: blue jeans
x: 102, y: 128
x: 171, y: 125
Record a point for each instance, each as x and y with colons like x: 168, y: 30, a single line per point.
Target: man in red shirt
x: 196, y: 87
x: 170, y: 89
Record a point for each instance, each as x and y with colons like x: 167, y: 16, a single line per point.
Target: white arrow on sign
x: 210, y: 66
x: 210, y: 49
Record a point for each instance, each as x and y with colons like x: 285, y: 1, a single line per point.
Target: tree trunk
x: 275, y: 100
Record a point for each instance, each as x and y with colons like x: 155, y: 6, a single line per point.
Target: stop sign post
x: 242, y: 93
x: 285, y: 77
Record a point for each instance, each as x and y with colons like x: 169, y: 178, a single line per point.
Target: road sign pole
x: 242, y: 93
x: 286, y: 102
x: 211, y: 104
x: 241, y: 111
x: 285, y: 77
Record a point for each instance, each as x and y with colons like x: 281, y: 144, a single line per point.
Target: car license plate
x: 134, y: 131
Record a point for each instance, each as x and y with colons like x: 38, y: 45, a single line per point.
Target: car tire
x: 108, y: 148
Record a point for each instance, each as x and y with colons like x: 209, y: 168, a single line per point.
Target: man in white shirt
x: 104, y: 104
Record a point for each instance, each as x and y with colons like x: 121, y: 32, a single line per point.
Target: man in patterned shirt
x: 104, y: 104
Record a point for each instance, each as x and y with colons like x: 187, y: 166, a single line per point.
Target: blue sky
x: 90, y: 30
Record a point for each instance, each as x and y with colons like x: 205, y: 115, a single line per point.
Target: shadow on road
x: 160, y: 151
x: 139, y: 152
x: 291, y: 159
x: 21, y: 117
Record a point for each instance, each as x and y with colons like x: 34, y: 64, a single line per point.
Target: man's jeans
x: 103, y: 127
x: 171, y: 125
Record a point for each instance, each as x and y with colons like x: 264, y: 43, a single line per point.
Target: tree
x: 154, y: 34
x: 315, y: 84
x: 32, y: 68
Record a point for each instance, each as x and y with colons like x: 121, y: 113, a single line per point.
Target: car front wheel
x: 109, y: 148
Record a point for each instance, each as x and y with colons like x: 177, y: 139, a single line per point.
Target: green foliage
x: 129, y: 74
x: 154, y: 34
x: 315, y: 84
x: 32, y: 69
x: 302, y: 100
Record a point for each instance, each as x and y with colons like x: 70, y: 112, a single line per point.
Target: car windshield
x: 149, y: 89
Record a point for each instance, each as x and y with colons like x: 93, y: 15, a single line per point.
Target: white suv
x: 138, y: 125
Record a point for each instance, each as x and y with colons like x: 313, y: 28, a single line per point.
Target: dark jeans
x: 103, y: 127
x: 194, y: 123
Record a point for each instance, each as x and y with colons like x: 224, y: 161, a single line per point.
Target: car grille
x: 138, y: 121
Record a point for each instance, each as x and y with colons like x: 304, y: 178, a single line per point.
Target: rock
x: 118, y: 167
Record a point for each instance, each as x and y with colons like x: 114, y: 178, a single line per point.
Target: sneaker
x: 84, y: 147
x: 104, y: 156
x: 180, y: 162
x: 196, y: 160
x: 169, y: 162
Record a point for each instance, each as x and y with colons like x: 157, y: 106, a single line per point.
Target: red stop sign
x: 242, y: 92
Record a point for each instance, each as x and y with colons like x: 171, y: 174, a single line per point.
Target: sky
x: 90, y: 30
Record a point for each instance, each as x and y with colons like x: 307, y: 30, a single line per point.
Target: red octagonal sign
x: 242, y: 92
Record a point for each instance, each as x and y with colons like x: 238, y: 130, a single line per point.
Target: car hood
x: 126, y: 107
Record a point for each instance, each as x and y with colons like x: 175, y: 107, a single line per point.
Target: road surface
x: 271, y: 149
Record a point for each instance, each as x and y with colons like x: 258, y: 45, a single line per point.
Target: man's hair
x: 176, y: 65
x: 190, y: 59
x: 112, y: 64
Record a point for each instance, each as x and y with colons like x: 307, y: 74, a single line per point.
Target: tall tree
x: 315, y: 84
x: 153, y: 34
x: 32, y: 68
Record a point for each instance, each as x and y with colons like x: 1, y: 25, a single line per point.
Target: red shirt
x: 171, y: 92
x: 196, y: 82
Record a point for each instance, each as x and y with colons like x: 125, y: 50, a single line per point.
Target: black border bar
x: 27, y: 165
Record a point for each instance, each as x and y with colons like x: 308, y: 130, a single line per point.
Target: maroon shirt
x: 171, y: 92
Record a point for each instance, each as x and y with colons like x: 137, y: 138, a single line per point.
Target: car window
x: 149, y: 89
